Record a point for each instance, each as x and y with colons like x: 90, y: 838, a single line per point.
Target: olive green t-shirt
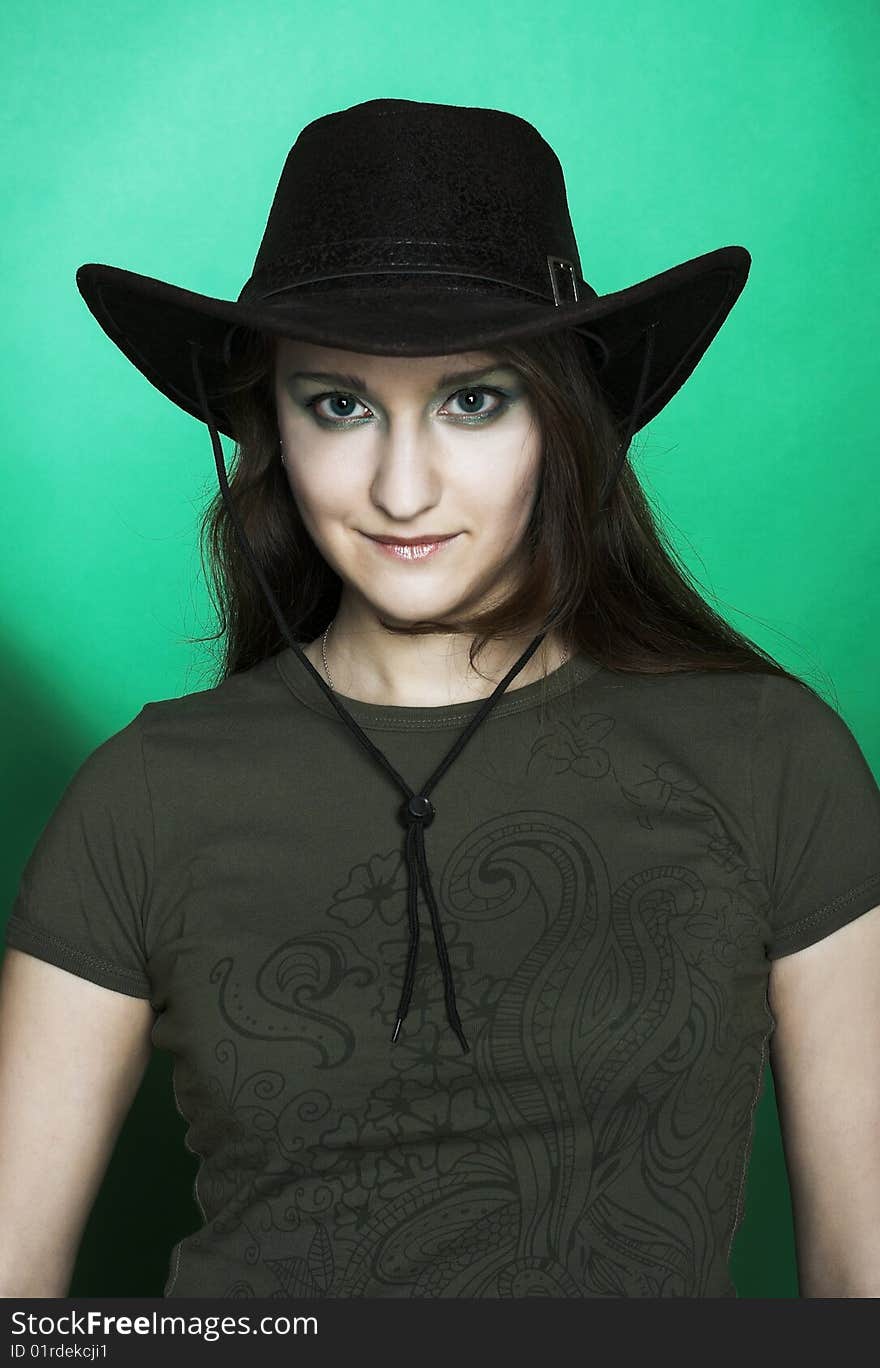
x: 616, y: 859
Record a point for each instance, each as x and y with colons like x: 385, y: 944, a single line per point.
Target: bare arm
x: 825, y: 1057
x: 72, y: 1056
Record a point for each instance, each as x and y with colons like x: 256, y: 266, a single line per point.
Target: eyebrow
x: 356, y: 382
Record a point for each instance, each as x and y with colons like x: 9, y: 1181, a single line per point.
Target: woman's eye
x: 342, y: 407
x: 473, y: 403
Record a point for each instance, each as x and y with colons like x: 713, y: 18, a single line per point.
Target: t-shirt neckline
x: 393, y: 717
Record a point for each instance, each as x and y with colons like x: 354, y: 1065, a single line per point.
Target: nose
x: 406, y: 481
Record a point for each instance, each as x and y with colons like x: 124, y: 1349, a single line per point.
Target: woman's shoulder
x: 236, y: 696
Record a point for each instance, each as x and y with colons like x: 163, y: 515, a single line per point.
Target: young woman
x: 473, y: 896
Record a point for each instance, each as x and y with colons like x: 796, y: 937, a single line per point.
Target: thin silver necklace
x: 327, y: 667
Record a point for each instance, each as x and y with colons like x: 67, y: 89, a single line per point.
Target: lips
x: 415, y: 541
x: 417, y: 549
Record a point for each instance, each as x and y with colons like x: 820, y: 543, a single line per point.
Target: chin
x: 406, y: 609
x: 404, y: 615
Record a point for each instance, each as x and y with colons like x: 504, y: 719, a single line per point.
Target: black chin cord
x: 416, y: 811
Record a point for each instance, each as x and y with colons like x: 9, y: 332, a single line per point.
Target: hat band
x: 547, y: 276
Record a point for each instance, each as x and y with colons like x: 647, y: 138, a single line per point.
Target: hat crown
x: 406, y: 187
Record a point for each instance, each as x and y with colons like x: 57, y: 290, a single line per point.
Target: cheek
x: 306, y: 474
x: 509, y: 483
x: 318, y: 490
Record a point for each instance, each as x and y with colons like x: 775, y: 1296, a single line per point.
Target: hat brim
x: 153, y: 322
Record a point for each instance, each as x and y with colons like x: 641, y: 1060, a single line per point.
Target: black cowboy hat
x: 412, y: 229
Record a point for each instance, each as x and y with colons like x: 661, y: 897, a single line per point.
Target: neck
x: 372, y: 665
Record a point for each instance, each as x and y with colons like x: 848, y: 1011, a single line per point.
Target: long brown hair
x: 619, y: 592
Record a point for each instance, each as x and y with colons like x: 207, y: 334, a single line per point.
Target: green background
x: 151, y: 136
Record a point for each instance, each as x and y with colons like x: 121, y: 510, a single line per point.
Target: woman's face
x: 408, y: 447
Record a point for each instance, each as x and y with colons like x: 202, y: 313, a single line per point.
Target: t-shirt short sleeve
x: 83, y: 893
x: 817, y: 816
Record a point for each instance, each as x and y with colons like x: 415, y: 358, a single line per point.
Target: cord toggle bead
x: 418, y: 808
